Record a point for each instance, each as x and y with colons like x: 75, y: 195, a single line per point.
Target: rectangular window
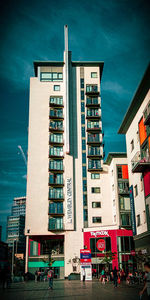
x: 95, y: 176
x: 94, y: 249
x: 138, y: 220
x: 93, y: 74
x: 82, y: 95
x: 119, y: 171
x: 82, y: 83
x: 82, y: 107
x: 84, y: 185
x: 96, y: 204
x: 82, y: 119
x: 83, y: 145
x: 84, y: 200
x: 85, y: 214
x: 33, y: 248
x: 51, y: 76
x: 132, y: 145
x: 95, y: 190
x: 56, y: 87
x: 97, y: 219
x: 83, y: 171
x: 83, y: 131
x: 135, y: 190
x: 84, y: 158
x: 125, y: 219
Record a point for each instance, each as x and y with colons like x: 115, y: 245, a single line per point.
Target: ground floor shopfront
x: 118, y: 245
x: 46, y: 251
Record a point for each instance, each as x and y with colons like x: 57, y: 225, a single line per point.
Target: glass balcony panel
x: 56, y: 223
x: 56, y: 179
x: 56, y: 113
x: 56, y: 138
x: 94, y: 151
x: 58, y: 125
x: 93, y: 138
x: 56, y: 151
x: 56, y: 100
x: 94, y: 164
x: 92, y: 125
x: 91, y: 88
x: 56, y: 208
x: 92, y: 101
x: 93, y: 112
x: 56, y: 193
x: 56, y: 165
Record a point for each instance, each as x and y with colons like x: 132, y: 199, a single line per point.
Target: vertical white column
x: 27, y: 251
x: 67, y: 148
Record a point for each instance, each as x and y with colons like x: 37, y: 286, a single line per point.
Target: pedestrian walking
x: 83, y: 274
x: 115, y: 277
x: 50, y: 276
x: 147, y: 283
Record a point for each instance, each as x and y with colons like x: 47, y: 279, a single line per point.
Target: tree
x: 109, y: 256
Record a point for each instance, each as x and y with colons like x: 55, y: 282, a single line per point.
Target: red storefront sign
x: 101, y: 245
x: 85, y: 256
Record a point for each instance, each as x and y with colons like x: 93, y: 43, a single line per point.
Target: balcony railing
x: 56, y: 208
x: 56, y: 151
x: 56, y: 179
x: 56, y: 138
x: 93, y: 113
x: 56, y: 165
x: 124, y: 190
x: 54, y: 126
x: 146, y: 114
x: 56, y: 113
x: 58, y: 101
x: 56, y: 224
x: 56, y: 194
x: 92, y: 89
x: 140, y: 163
x: 94, y: 165
x: 93, y: 101
x: 93, y: 125
x: 95, y: 138
x: 94, y: 151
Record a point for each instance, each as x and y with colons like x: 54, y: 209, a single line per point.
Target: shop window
x: 93, y: 247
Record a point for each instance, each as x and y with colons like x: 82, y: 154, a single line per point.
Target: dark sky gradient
x: 116, y: 32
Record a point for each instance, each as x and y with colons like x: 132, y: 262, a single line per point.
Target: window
x: 83, y: 171
x: 124, y: 202
x: 94, y: 241
x: 82, y: 95
x: 33, y: 248
x: 83, y: 145
x: 97, y: 219
x: 95, y: 190
x: 84, y: 200
x: 95, y: 176
x: 56, y: 87
x: 84, y: 185
x: 82, y: 83
x: 135, y: 190
x: 119, y: 172
x: 132, y: 145
x: 82, y: 107
x: 83, y: 131
x: 144, y: 216
x: 49, y: 76
x: 96, y: 204
x: 84, y: 158
x: 85, y: 214
x: 93, y: 74
x: 125, y: 219
x: 82, y: 119
x: 138, y: 220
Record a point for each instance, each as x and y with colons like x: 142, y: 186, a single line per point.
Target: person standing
x: 147, y: 283
x: 83, y: 274
x: 50, y: 276
x: 115, y: 277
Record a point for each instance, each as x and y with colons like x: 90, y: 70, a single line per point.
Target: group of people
x: 48, y: 275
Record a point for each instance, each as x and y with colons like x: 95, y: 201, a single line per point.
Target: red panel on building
x: 146, y: 178
x: 125, y: 171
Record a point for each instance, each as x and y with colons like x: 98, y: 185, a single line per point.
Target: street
x: 70, y: 290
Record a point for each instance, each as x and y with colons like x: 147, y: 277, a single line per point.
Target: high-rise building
x: 19, y: 206
x: 68, y: 184
x: 15, y: 233
x: 136, y: 127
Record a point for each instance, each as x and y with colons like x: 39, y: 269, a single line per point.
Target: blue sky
x: 116, y: 32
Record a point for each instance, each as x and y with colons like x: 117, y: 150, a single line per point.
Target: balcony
x: 56, y: 179
x: 56, y: 152
x: 140, y: 164
x: 56, y: 114
x: 56, y: 208
x: 94, y: 165
x: 123, y: 190
x: 56, y: 102
x: 93, y: 126
x: 56, y: 224
x: 94, y: 139
x: 56, y: 139
x: 93, y: 102
x: 92, y: 89
x: 94, y: 152
x: 56, y: 166
x: 56, y: 194
x: 93, y: 113
x: 146, y: 114
x: 56, y: 126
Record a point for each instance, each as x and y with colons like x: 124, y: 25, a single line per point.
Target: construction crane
x: 23, y: 155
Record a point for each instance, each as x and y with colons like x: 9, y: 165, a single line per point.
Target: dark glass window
x: 85, y: 214
x: 84, y: 158
x: 97, y: 219
x: 85, y: 200
x: 93, y: 242
x: 83, y: 145
x: 84, y: 185
x: 82, y: 83
x: 82, y: 119
x: 82, y: 95
x: 119, y: 171
x: 83, y: 131
x: 82, y: 107
x: 83, y: 171
x: 96, y: 204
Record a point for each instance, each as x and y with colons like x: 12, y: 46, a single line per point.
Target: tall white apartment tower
x: 65, y: 152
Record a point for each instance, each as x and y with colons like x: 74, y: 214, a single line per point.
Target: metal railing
x: 92, y: 101
x: 140, y: 158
